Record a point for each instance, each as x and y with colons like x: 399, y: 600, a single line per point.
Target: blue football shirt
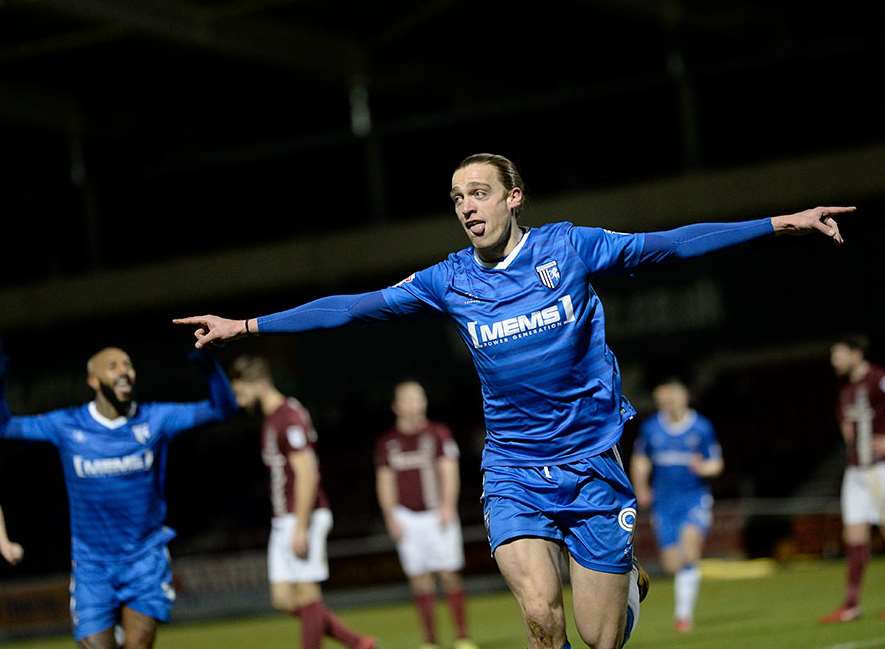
x: 115, y: 471
x: 535, y: 327
x: 670, y: 448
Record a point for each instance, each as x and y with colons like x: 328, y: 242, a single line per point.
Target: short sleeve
x: 603, y: 250
x: 381, y: 453
x: 710, y: 448
x: 640, y: 446
x: 421, y: 291
x: 446, y: 445
x: 170, y: 419
x: 294, y: 433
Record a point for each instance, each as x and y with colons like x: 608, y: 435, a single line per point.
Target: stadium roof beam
x: 356, y: 254
x: 324, y: 56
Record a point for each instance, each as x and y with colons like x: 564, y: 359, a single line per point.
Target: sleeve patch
x: 296, y: 437
x: 450, y: 449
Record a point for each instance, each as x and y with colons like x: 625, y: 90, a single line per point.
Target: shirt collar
x: 109, y: 423
x: 503, y: 264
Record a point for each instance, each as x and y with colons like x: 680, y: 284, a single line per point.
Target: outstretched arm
x: 221, y: 405
x: 701, y: 238
x: 603, y: 250
x: 37, y: 428
x: 324, y: 313
x: 10, y: 551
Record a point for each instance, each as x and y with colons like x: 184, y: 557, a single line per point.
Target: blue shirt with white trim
x: 115, y: 470
x: 670, y: 447
x: 535, y: 328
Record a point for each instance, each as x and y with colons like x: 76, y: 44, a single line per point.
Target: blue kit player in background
x: 677, y: 448
x: 113, y: 452
x: 525, y: 308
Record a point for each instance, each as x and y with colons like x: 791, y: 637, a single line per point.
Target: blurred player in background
x: 417, y: 482
x: 10, y: 551
x: 296, y: 553
x: 113, y: 452
x: 861, y: 413
x: 678, y: 451
x: 526, y: 310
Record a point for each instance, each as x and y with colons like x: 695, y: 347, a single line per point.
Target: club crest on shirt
x: 142, y: 433
x: 548, y: 273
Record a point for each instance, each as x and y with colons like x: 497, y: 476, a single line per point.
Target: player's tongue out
x: 476, y: 228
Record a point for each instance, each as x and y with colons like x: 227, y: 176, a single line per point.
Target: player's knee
x: 451, y: 581
x: 545, y: 622
x: 602, y: 637
x: 139, y: 639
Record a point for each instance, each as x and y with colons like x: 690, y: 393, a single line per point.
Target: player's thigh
x: 145, y: 585
x: 101, y: 640
x: 856, y: 534
x: 139, y: 630
x: 444, y: 547
x: 531, y: 568
x: 600, y: 605
x: 283, y: 596
x: 672, y: 559
x: 93, y: 601
x: 691, y: 542
x: 413, y: 546
x: 422, y: 584
x: 284, y: 567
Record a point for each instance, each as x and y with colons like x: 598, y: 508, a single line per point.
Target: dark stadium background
x: 136, y: 135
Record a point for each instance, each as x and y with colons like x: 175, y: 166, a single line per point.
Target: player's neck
x: 271, y: 401
x: 504, y: 247
x: 411, y: 425
x: 860, y: 372
x: 676, y: 417
x: 107, y: 410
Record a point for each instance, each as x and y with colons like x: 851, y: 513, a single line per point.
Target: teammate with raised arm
x: 113, y: 453
x: 861, y: 414
x: 674, y: 456
x: 296, y: 553
x: 417, y: 482
x: 9, y: 550
x: 524, y: 306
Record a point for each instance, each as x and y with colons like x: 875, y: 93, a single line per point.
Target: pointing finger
x: 190, y: 320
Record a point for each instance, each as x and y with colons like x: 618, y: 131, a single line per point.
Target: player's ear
x: 514, y: 198
x: 92, y: 382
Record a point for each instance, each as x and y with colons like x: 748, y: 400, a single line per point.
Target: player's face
x: 245, y: 393
x: 111, y: 371
x: 671, y: 398
x: 410, y: 400
x: 844, y: 359
x: 483, y: 206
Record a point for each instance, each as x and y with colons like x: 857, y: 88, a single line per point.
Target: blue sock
x: 628, y: 627
x: 566, y: 645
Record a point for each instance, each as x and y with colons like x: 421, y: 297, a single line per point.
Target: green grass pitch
x: 774, y: 612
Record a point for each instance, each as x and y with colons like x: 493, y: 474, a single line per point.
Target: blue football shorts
x: 99, y: 589
x: 588, y: 505
x: 671, y: 514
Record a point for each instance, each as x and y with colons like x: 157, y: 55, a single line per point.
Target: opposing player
x: 296, y: 554
x: 525, y: 308
x: 861, y: 413
x: 10, y: 551
x: 677, y: 449
x: 113, y: 452
x: 417, y: 481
